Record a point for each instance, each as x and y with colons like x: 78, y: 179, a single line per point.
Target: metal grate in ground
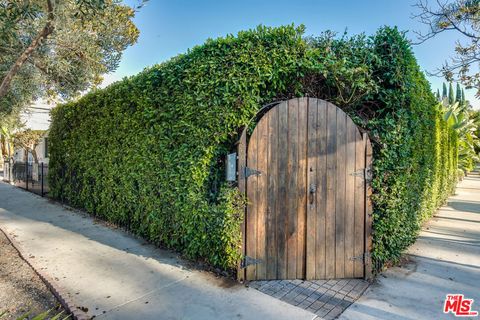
x: 326, y: 298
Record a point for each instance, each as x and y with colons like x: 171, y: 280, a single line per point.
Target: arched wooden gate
x: 305, y: 172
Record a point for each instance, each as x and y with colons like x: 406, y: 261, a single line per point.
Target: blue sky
x: 168, y: 28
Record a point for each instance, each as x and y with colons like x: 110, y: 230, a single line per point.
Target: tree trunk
x: 46, y: 31
x: 10, y: 149
x: 3, y: 143
x: 34, y: 154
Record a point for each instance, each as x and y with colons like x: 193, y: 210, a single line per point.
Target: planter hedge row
x: 147, y: 152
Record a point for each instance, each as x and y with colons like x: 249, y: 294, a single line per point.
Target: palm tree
x: 466, y: 122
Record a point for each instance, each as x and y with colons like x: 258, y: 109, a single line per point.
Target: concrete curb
x: 59, y: 292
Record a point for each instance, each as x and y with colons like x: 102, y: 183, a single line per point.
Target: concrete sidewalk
x: 445, y: 259
x: 111, y: 275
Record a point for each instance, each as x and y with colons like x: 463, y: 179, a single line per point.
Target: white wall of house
x: 42, y: 152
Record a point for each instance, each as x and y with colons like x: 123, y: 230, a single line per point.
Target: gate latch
x: 251, y: 172
x: 248, y: 261
x: 365, y: 174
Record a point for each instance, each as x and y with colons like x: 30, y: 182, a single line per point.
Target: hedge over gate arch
x: 147, y: 152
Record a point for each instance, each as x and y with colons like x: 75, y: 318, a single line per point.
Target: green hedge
x: 415, y: 158
x: 147, y: 152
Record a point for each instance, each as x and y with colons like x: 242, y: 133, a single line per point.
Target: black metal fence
x: 29, y: 176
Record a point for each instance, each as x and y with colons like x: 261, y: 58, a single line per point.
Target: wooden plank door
x: 308, y: 212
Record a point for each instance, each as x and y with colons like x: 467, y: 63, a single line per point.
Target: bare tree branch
x: 462, y: 16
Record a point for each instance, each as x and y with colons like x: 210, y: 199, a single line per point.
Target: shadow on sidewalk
x: 464, y: 205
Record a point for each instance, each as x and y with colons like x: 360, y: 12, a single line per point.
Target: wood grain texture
x: 242, y: 162
x: 261, y: 197
x: 251, y: 218
x: 272, y: 189
x: 312, y: 151
x: 292, y: 188
x: 302, y: 186
x: 309, y: 212
x: 340, y: 196
x: 331, y: 174
x: 368, y: 211
x: 350, y: 198
x: 321, y: 203
x: 359, y: 207
x: 282, y: 175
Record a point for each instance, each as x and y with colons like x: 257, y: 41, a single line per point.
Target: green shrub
x: 147, y: 152
x: 415, y: 163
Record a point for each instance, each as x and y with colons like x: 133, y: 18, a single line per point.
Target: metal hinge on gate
x: 251, y: 172
x: 365, y: 173
x: 248, y: 261
x: 363, y: 257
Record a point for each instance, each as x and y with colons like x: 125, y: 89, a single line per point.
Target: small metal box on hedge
x: 231, y: 167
